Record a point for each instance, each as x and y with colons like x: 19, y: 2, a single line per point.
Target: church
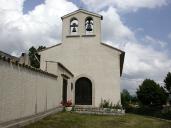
x: 96, y: 67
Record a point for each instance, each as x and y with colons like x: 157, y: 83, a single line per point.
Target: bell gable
x: 81, y: 24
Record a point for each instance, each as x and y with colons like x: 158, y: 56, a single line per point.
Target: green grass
x: 73, y: 120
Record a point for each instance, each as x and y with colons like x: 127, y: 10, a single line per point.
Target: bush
x: 105, y: 104
x: 108, y: 104
x: 150, y: 111
x: 73, y: 109
x: 117, y: 106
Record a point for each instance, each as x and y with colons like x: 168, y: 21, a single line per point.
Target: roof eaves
x: 49, y: 47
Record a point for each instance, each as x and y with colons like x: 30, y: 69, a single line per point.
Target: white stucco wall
x: 81, y: 28
x: 54, y: 68
x: 85, y: 56
x: 24, y: 92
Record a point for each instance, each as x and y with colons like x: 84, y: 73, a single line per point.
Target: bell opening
x: 89, y: 24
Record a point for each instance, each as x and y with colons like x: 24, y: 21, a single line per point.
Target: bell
x: 89, y: 28
x: 74, y: 29
x: 74, y: 25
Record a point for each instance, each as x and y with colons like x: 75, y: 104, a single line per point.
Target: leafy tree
x: 34, y: 56
x: 167, y: 82
x: 134, y: 99
x: 150, y: 93
x: 125, y: 98
x: 41, y: 48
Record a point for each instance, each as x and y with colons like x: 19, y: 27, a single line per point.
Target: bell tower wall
x: 81, y: 35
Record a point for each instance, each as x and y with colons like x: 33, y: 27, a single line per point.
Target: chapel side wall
x: 24, y: 92
x: 54, y: 68
x: 108, y: 80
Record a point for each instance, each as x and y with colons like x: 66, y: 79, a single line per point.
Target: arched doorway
x: 83, y: 91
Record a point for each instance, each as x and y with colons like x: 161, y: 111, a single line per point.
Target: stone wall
x: 26, y: 91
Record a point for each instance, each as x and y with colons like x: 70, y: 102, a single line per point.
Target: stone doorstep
x: 30, y: 119
x: 98, y: 111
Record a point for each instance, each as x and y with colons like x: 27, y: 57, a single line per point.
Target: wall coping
x: 5, y: 59
x: 62, y: 66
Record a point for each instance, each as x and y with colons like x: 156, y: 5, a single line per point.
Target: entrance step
x: 98, y: 111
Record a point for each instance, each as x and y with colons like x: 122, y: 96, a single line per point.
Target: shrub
x: 73, y: 109
x: 104, y: 104
x: 117, y: 106
x: 108, y: 104
x: 150, y: 111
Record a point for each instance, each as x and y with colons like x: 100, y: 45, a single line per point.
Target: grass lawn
x: 74, y: 120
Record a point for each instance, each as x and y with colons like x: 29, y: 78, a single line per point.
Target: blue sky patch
x: 29, y: 5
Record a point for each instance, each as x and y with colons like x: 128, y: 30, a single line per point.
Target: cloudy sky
x: 142, y: 28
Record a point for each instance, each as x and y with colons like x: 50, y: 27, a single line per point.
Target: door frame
x: 64, y: 98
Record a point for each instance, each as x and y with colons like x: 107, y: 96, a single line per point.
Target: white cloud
x: 113, y: 28
x: 145, y: 58
x: 154, y: 42
x: 14, y: 5
x: 169, y: 35
x: 143, y: 62
x: 42, y: 26
x: 126, y: 5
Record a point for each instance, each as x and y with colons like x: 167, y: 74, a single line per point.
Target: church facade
x: 96, y: 66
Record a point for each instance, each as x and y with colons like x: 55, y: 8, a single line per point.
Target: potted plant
x: 67, y: 105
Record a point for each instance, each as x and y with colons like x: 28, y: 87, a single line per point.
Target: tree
x: 134, y: 99
x: 41, y: 48
x: 167, y: 82
x: 150, y: 93
x: 125, y: 98
x: 34, y: 56
x: 167, y: 86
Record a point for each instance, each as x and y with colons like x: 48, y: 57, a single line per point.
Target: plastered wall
x: 24, y: 92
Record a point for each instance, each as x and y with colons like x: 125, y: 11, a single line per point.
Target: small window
x: 89, y: 26
x: 74, y: 26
